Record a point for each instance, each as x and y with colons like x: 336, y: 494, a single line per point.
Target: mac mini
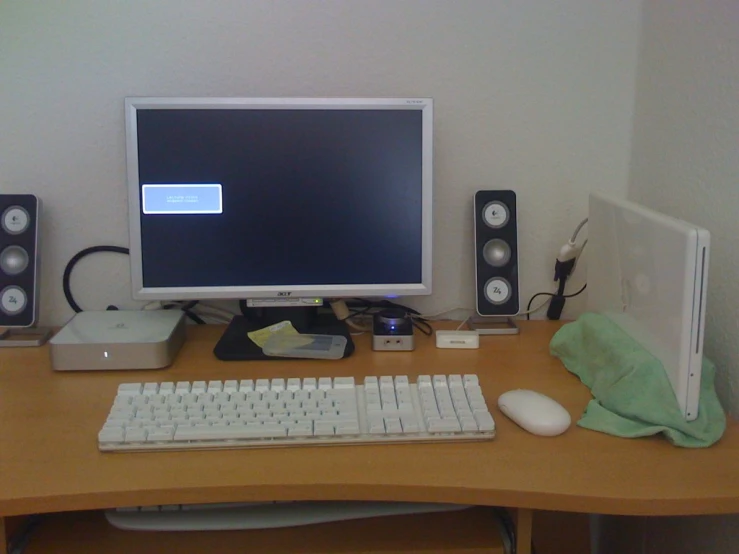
x: 648, y: 273
x: 118, y: 339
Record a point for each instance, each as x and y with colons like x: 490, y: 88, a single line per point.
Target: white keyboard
x: 295, y: 412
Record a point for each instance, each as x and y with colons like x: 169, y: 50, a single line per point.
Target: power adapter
x: 563, y: 268
x: 556, y: 305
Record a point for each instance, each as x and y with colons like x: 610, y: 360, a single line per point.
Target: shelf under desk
x: 49, y: 460
x: 470, y: 532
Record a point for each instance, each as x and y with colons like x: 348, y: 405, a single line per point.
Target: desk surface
x: 49, y: 459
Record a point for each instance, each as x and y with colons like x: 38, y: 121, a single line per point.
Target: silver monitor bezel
x: 140, y: 292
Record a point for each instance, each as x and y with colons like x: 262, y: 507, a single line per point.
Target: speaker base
x: 24, y: 336
x: 493, y: 325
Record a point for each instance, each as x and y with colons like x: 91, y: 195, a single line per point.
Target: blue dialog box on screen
x: 182, y: 199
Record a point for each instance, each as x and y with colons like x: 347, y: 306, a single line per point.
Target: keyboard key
x: 323, y: 428
x: 130, y: 389
x: 443, y: 425
x: 392, y: 425
x: 376, y: 425
x: 304, y: 430
x: 439, y: 381
x: 344, y: 383
x: 468, y: 424
x: 485, y: 421
x: 470, y: 380
x: 135, y: 435
x: 410, y: 424
x: 347, y: 428
x: 110, y: 435
x: 160, y: 434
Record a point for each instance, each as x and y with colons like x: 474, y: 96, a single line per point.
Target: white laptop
x: 648, y: 272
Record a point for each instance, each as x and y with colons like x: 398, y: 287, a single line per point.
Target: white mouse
x: 538, y: 414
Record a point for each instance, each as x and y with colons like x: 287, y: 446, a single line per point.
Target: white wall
x: 532, y: 95
x: 686, y: 148
x: 686, y: 163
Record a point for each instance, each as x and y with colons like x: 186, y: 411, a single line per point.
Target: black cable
x: 194, y: 317
x: 76, y: 258
x: 18, y: 541
x: 66, y: 278
x: 422, y: 325
x: 187, y: 308
x: 552, y: 294
x: 562, y: 272
x: 359, y: 312
x: 531, y: 301
x: 509, y: 526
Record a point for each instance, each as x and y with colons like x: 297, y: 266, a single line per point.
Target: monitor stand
x: 235, y: 343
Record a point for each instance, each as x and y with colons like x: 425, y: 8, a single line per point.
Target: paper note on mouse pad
x: 260, y: 336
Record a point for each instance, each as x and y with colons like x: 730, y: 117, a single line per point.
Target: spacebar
x: 267, y: 431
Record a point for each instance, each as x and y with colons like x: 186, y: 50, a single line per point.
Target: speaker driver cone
x: 497, y: 291
x: 13, y: 260
x: 496, y: 252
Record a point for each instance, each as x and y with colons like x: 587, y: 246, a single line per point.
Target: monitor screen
x: 254, y: 198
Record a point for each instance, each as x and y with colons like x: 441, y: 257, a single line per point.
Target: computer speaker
x: 496, y: 253
x: 19, y: 283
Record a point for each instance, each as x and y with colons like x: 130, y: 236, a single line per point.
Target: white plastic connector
x: 340, y: 309
x: 569, y: 251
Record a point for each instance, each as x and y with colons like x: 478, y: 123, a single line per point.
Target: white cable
x: 210, y: 320
x: 437, y: 314
x: 356, y: 326
x: 462, y: 324
x: 577, y: 229
x: 539, y: 307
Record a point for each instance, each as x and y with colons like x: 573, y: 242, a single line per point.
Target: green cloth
x: 632, y: 395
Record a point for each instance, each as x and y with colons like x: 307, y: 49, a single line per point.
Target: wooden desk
x: 49, y: 460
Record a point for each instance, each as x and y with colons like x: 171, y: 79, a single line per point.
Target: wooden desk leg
x: 524, y: 525
x: 3, y: 538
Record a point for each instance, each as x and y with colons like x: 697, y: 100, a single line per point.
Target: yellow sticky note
x: 260, y: 336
